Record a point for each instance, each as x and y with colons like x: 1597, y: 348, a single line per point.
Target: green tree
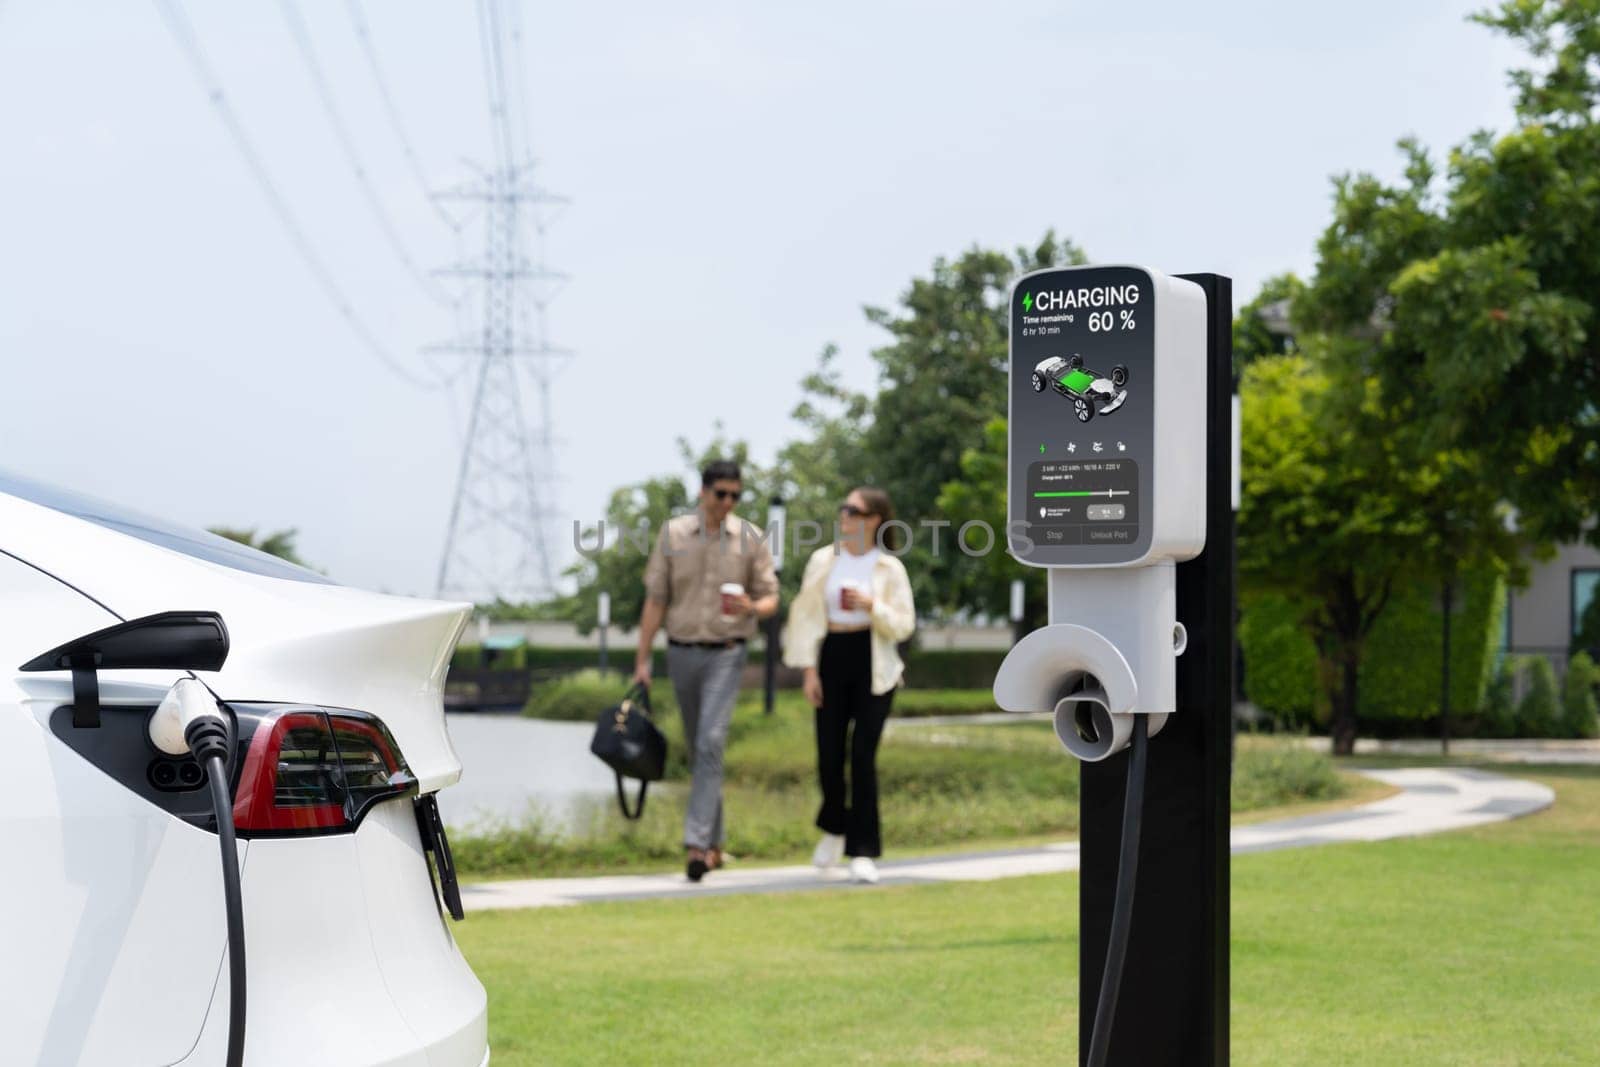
x: 1480, y: 288
x: 816, y: 470
x: 1329, y: 516
x: 943, y: 374
x: 983, y: 583
x: 633, y: 520
x: 942, y: 380
x: 615, y: 563
x: 1262, y: 327
x: 502, y: 610
x: 279, y: 543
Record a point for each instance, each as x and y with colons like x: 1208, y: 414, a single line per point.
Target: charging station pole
x: 1176, y: 972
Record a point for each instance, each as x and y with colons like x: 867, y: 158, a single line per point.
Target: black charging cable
x: 210, y: 744
x: 1122, y: 911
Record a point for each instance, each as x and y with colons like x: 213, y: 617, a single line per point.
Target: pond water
x: 514, y: 768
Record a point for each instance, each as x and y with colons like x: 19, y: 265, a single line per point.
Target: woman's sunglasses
x: 851, y: 511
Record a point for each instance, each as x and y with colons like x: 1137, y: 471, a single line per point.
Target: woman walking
x: 853, y: 608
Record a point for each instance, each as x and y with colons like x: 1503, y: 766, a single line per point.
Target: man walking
x: 709, y: 578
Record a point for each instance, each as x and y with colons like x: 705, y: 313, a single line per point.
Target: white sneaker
x: 829, y: 851
x: 862, y: 869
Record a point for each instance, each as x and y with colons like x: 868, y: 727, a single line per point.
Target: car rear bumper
x: 349, y: 958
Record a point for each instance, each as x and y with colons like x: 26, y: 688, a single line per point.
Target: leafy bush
x: 1400, y: 671
x: 1270, y: 775
x: 1539, y: 713
x: 582, y: 695
x: 949, y: 668
x: 1580, y: 712
x: 553, y: 660
x: 914, y: 703
x: 1280, y: 662
x: 1498, y: 716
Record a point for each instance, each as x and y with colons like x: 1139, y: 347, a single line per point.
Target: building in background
x: 1542, y: 618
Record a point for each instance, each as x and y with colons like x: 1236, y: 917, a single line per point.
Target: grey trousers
x: 705, y: 681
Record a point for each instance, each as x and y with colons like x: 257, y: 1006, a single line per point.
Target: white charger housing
x: 1106, y: 489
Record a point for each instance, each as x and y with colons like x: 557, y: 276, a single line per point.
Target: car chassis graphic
x: 1090, y: 393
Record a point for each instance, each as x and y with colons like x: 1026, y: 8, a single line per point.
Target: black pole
x: 771, y: 661
x: 1446, y: 600
x: 1177, y: 963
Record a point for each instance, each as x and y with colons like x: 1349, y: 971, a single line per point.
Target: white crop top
x: 856, y: 571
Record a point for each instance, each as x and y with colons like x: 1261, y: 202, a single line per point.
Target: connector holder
x: 1094, y: 679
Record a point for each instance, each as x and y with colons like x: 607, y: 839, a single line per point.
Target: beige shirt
x: 688, y: 567
x: 894, y: 617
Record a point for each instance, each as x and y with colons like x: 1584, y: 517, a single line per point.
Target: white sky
x: 745, y: 177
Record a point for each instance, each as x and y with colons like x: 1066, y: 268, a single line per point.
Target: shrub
x: 1280, y: 675
x: 1580, y: 712
x: 1269, y: 775
x: 1499, y: 711
x: 1400, y: 670
x: 913, y: 703
x: 582, y: 695
x: 948, y: 668
x: 1539, y: 713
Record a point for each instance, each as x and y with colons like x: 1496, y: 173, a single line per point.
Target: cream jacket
x: 893, y: 616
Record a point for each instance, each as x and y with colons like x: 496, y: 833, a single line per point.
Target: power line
x: 177, y: 23
x: 341, y: 129
x: 521, y: 81
x: 364, y: 36
x: 495, y: 83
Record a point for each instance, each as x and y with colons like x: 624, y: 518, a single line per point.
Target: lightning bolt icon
x: 1027, y: 301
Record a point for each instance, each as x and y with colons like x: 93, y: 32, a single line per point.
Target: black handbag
x: 630, y: 744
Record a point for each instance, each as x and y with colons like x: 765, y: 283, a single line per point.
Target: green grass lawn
x: 1476, y: 947
x: 941, y: 785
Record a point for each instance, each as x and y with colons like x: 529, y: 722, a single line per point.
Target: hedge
x: 547, y: 660
x: 1400, y: 671
x: 581, y: 695
x: 1280, y: 661
x: 925, y: 668
x: 948, y: 668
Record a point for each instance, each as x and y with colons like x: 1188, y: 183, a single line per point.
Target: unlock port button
x: 1106, y: 512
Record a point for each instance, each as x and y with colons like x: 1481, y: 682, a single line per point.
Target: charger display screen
x: 1082, y: 416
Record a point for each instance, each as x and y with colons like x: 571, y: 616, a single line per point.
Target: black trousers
x: 845, y: 666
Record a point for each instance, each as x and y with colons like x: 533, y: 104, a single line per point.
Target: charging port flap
x: 443, y: 866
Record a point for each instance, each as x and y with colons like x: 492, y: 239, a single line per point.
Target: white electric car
x: 113, y: 923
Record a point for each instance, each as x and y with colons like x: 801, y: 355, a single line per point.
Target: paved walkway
x: 1497, y: 750
x: 1430, y: 800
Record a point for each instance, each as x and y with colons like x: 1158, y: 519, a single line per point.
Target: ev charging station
x: 1119, y: 484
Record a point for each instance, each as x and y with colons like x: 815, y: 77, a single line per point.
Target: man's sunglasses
x: 727, y: 494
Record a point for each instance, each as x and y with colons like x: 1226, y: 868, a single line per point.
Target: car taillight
x: 310, y: 771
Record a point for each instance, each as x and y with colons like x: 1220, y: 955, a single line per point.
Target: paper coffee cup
x: 845, y: 589
x: 729, y: 591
